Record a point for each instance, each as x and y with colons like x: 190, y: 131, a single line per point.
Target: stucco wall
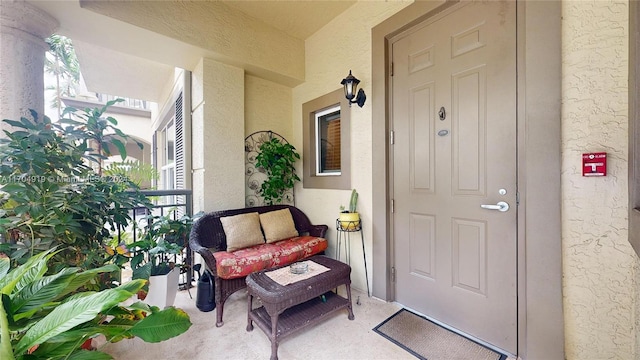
x: 267, y: 106
x: 22, y: 59
x: 217, y: 136
x: 340, y: 46
x: 134, y: 126
x: 599, y: 265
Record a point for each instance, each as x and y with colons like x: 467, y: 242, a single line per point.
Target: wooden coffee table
x: 287, y: 309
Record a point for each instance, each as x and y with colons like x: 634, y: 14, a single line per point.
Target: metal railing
x: 128, y: 102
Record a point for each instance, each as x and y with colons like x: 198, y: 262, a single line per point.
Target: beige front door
x: 454, y: 151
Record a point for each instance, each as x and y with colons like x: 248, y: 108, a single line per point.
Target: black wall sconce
x: 350, y: 84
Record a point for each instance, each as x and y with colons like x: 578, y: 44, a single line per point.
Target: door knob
x: 500, y: 206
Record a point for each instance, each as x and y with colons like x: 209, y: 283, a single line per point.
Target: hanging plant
x: 277, y: 160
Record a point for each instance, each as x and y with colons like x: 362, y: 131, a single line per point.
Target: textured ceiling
x: 297, y: 18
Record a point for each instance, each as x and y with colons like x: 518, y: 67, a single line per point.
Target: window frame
x: 318, y: 117
x: 310, y: 179
x: 168, y: 166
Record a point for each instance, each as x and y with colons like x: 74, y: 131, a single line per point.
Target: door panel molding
x: 469, y: 156
x: 469, y: 255
x: 539, y: 73
x: 423, y: 247
x: 422, y: 142
x: 468, y: 40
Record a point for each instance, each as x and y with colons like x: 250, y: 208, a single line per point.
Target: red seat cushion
x: 240, y: 263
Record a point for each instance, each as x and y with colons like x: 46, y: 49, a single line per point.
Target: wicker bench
x: 208, y: 237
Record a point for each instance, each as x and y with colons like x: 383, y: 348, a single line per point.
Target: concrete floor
x: 336, y: 338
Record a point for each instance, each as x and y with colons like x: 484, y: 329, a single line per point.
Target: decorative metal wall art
x: 255, y: 176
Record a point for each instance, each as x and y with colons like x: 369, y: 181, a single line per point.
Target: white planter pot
x: 163, y: 289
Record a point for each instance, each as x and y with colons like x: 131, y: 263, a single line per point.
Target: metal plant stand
x: 344, y: 229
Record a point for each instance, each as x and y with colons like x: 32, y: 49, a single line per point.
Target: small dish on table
x: 299, y: 268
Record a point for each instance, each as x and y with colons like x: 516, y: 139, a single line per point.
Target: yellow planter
x: 349, y: 221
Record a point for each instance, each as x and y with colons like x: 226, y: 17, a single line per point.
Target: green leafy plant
x: 97, y: 134
x: 46, y: 317
x: 141, y: 174
x: 162, y: 239
x: 277, y: 159
x: 52, y: 197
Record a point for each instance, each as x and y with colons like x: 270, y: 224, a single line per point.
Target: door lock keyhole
x: 442, y: 113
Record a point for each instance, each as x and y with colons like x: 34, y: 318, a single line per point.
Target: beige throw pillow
x: 278, y: 225
x: 242, y: 231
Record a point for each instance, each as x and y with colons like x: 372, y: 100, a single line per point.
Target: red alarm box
x: 594, y: 164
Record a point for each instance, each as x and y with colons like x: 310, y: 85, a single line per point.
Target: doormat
x: 429, y: 341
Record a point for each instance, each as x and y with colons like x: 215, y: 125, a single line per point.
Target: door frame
x: 539, y: 159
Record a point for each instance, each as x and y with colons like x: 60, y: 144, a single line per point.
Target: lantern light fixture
x: 350, y: 84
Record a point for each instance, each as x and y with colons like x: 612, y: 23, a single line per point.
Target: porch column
x: 22, y: 53
x: 217, y: 101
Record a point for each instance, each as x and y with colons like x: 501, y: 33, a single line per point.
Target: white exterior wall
x: 134, y: 126
x: 267, y: 106
x: 167, y: 94
x: 340, y: 46
x: 600, y: 267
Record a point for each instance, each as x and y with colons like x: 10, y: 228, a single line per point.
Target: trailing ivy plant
x: 50, y: 317
x: 52, y: 197
x: 277, y: 160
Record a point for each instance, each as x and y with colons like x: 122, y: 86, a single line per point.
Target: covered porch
x: 335, y: 338
x: 241, y: 67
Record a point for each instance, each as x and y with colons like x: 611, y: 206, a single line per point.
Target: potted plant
x: 51, y: 317
x: 155, y: 254
x: 350, y: 219
x: 277, y: 159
